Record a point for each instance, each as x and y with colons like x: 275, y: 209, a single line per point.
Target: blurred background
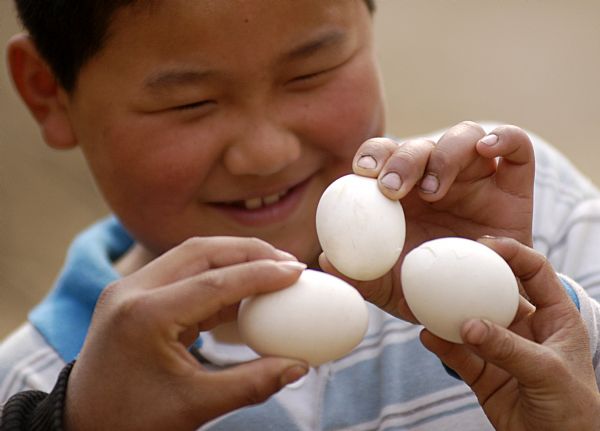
x: 534, y: 63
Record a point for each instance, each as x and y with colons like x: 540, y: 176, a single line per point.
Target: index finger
x: 199, y: 298
x: 199, y: 254
x: 516, y: 167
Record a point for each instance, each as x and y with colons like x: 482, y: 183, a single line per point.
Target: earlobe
x: 40, y: 91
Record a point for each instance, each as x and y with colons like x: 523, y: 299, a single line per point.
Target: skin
x: 223, y: 106
x: 537, y: 374
x: 143, y: 324
x: 222, y: 102
x: 472, y: 194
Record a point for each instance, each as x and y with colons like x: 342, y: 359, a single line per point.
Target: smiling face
x: 227, y: 117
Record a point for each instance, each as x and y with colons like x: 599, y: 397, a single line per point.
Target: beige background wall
x: 534, y: 63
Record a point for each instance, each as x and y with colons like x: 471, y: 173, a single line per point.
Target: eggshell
x: 360, y: 230
x: 319, y: 318
x: 449, y: 280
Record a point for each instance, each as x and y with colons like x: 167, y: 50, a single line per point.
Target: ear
x: 46, y: 99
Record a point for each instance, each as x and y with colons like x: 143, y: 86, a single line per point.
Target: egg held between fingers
x: 318, y: 319
x: 447, y: 281
x: 360, y: 230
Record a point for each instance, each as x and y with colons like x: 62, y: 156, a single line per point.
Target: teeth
x: 268, y: 200
x: 255, y: 203
x: 252, y: 204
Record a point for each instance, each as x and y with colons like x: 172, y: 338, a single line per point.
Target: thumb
x: 518, y: 356
x: 252, y: 382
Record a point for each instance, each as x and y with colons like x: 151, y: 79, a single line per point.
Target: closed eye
x: 318, y: 75
x: 194, y: 105
x: 310, y: 76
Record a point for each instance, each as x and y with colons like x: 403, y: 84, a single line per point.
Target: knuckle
x: 544, y: 262
x: 504, y: 347
x: 213, y: 281
x: 405, y: 155
x: 511, y: 129
x: 411, y: 156
x: 108, y: 294
x: 516, y: 135
x: 134, y: 312
x: 469, y: 130
x: 440, y: 158
x: 254, y: 393
x: 540, y: 264
x: 376, y: 147
x: 130, y: 313
x: 254, y: 242
x: 472, y: 125
x: 379, y: 142
x: 252, y: 247
x: 194, y: 244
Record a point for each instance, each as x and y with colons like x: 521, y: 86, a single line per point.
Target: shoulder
x: 557, y: 174
x: 27, y: 362
x: 564, y: 197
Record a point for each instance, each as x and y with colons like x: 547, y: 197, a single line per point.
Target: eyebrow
x: 304, y: 50
x: 166, y: 79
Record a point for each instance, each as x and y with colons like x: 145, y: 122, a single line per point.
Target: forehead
x: 220, y: 23
x: 235, y: 41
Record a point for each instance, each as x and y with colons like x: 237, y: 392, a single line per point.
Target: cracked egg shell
x: 360, y: 230
x: 447, y: 281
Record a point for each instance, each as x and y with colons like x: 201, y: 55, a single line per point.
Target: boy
x: 229, y: 118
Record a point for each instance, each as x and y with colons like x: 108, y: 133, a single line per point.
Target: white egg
x: 360, y: 230
x: 450, y: 280
x: 318, y: 319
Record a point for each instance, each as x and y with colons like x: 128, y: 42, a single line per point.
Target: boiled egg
x: 447, y: 281
x: 360, y: 230
x: 317, y: 319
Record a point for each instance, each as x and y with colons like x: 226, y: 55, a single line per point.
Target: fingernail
x: 489, y: 140
x: 430, y: 183
x: 292, y: 264
x: 391, y: 181
x: 292, y: 374
x: 286, y: 255
x: 367, y: 162
x: 476, y: 331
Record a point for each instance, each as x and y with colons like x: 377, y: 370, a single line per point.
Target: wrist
x: 567, y: 284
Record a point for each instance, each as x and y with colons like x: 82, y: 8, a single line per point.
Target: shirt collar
x: 64, y: 316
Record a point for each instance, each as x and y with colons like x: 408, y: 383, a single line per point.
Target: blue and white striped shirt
x: 389, y: 382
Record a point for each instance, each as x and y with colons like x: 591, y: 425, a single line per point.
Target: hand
x: 456, y: 187
x: 135, y: 370
x: 537, y: 374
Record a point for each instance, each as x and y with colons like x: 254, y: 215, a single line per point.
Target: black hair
x: 67, y: 33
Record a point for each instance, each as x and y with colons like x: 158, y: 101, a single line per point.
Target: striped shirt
x: 388, y: 382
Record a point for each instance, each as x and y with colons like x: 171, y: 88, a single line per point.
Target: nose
x: 262, y: 147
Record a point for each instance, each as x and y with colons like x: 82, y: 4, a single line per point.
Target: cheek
x: 146, y: 165
x: 348, y: 112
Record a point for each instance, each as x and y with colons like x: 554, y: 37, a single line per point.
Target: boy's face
x: 227, y: 117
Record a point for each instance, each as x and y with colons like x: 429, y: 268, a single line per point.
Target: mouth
x: 258, y: 202
x: 268, y: 209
